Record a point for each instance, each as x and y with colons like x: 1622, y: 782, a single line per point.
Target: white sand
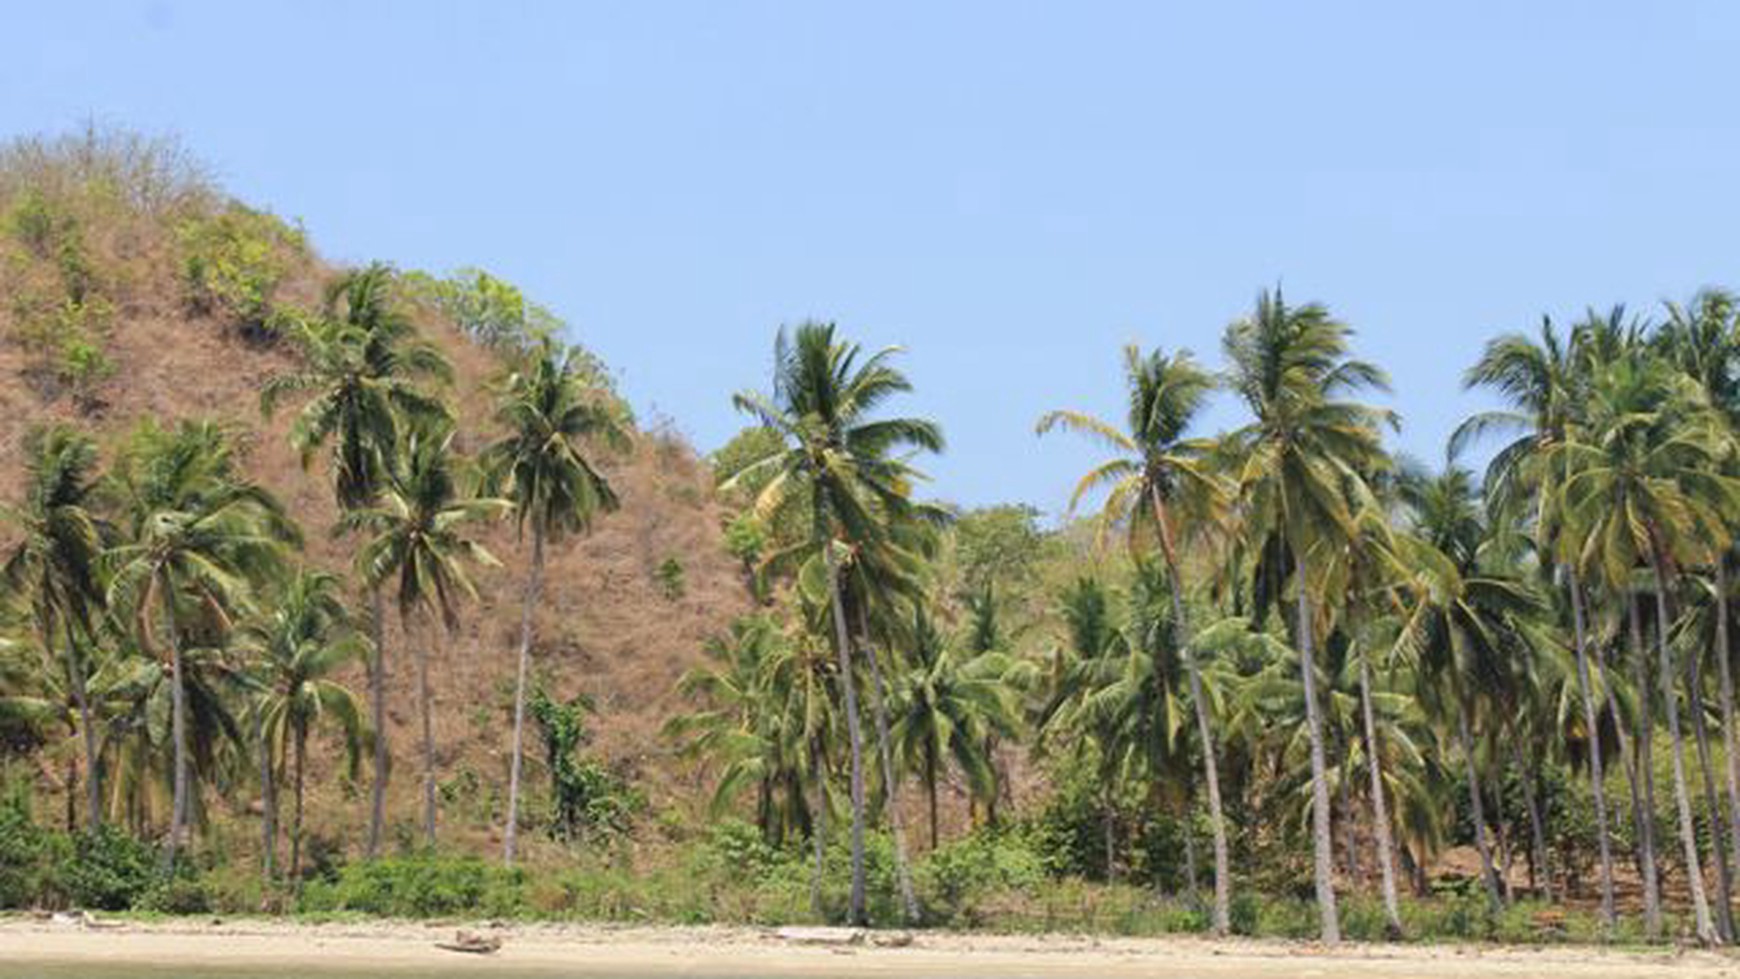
x: 603, y: 951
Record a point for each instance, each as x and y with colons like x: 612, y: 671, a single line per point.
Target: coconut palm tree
x: 1647, y: 491
x: 417, y: 539
x: 1702, y: 338
x: 55, y: 565
x: 365, y: 368
x: 1161, y: 488
x: 196, y: 535
x: 1467, y: 622
x: 293, y: 653
x: 551, y: 415
x: 947, y: 705
x: 1539, y: 379
x: 1305, y: 458
x: 834, y: 466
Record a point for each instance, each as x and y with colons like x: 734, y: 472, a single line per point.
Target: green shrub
x: 420, y: 887
x: 108, y: 870
x: 957, y: 876
x: 176, y: 895
x: 27, y: 853
x: 671, y: 579
x: 233, y: 262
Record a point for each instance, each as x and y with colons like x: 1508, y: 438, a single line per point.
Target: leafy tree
x: 541, y: 466
x: 55, y: 565
x: 834, y: 467
x: 417, y: 539
x: 1305, y: 459
x: 1162, y: 485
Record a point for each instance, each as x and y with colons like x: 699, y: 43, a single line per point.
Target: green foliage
x: 420, y: 887
x: 28, y: 853
x: 232, y: 263
x: 588, y: 800
x: 109, y: 870
x: 998, y: 543
x: 671, y: 579
x: 752, y: 444
x: 959, y: 876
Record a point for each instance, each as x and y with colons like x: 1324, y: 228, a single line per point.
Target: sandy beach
x: 256, y: 947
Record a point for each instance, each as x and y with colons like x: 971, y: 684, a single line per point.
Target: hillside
x: 104, y: 326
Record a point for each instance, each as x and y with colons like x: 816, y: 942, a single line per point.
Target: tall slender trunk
x: 1712, y: 799
x: 819, y: 826
x: 1349, y: 834
x: 1191, y: 877
x: 378, y: 712
x: 71, y: 794
x: 75, y: 671
x: 1706, y: 929
x: 1477, y: 805
x: 1323, y: 848
x: 178, y: 726
x: 301, y: 765
x: 426, y: 708
x: 1730, y: 730
x: 1592, y: 721
x: 855, y: 908
x: 930, y: 776
x: 1204, y: 727
x: 1110, y: 826
x: 534, y: 584
x: 890, y: 777
x: 1379, y: 805
x: 1642, y: 762
x: 1540, y: 861
x: 268, y: 798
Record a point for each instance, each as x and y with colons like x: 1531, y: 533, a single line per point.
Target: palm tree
x: 947, y: 705
x: 541, y: 465
x: 1161, y: 487
x: 55, y: 563
x: 1539, y: 379
x: 833, y: 466
x: 364, y: 364
x: 417, y: 539
x: 1647, y: 490
x: 1700, y: 337
x: 294, y: 652
x: 1466, y: 621
x: 195, y: 534
x: 1306, y: 457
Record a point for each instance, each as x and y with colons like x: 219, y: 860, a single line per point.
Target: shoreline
x: 602, y: 950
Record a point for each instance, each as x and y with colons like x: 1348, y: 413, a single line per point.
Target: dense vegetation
x: 1278, y: 680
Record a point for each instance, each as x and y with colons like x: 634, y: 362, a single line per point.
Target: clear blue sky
x: 1011, y: 190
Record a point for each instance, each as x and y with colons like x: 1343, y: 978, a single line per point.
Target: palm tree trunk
x: 75, y: 670
x: 268, y: 798
x: 1322, y: 846
x: 1706, y: 929
x: 1592, y: 721
x: 1642, y: 763
x: 378, y: 710
x: 1379, y: 805
x: 1730, y: 730
x: 855, y: 908
x: 426, y: 707
x: 1191, y: 877
x: 534, y: 584
x: 1540, y: 865
x: 1349, y: 838
x: 1204, y: 728
x: 301, y: 763
x: 178, y: 728
x: 1712, y: 799
x: 1477, y: 806
x: 930, y: 784
x: 890, y: 777
x: 819, y: 826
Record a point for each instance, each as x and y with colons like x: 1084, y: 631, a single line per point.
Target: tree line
x: 1299, y: 621
x: 159, y: 610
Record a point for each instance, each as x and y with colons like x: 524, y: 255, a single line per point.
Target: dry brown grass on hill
x: 607, y: 628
